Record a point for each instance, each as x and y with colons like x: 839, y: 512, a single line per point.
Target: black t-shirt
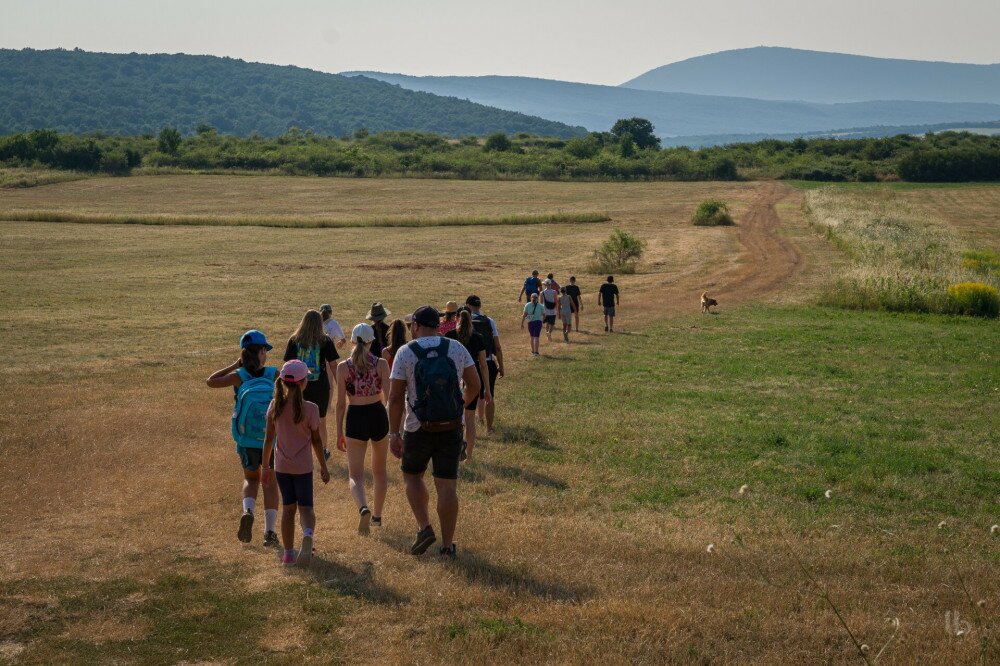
x: 608, y: 292
x: 327, y: 354
x: 573, y: 292
x: 475, y: 345
x: 381, y: 340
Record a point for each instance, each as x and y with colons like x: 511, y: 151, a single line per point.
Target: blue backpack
x: 250, y: 412
x: 439, y: 403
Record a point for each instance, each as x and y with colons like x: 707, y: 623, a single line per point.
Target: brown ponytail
x: 250, y: 358
x: 285, y: 392
x: 464, y: 330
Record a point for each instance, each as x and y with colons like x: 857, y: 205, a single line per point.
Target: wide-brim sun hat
x: 450, y: 307
x: 294, y: 371
x: 377, y: 312
x: 254, y: 338
x: 363, y: 332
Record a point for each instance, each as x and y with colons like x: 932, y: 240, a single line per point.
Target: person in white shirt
x: 550, y: 299
x: 331, y: 327
x: 436, y: 437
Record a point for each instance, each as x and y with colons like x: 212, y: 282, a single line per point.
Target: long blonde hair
x: 285, y: 392
x: 310, y: 332
x: 359, y: 356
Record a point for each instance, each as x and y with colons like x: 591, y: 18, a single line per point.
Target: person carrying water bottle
x: 424, y: 385
x: 252, y: 383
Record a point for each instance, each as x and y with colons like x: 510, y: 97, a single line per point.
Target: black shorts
x: 250, y: 457
x: 295, y: 488
x: 367, y: 422
x: 550, y: 320
x: 443, y: 448
x: 491, y: 367
x: 318, y: 393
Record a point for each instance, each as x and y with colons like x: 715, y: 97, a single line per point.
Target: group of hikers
x: 415, y: 387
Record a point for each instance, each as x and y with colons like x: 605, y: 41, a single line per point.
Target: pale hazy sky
x: 578, y: 40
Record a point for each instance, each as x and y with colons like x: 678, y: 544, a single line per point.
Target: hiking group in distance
x: 416, y: 388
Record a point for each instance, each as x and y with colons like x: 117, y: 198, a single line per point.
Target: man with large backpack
x: 487, y: 328
x: 425, y: 385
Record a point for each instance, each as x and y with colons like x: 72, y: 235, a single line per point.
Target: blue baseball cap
x: 253, y: 337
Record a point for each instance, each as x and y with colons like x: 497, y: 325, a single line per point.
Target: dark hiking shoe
x: 270, y: 539
x: 246, y: 527
x: 363, y: 521
x: 425, y: 538
x: 449, y: 553
x: 376, y: 521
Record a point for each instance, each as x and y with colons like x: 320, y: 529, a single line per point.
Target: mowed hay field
x: 586, y: 518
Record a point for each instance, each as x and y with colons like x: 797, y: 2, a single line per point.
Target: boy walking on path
x: 573, y: 292
x: 487, y: 328
x: 608, y: 296
x: 532, y: 285
x: 550, y: 299
x: 424, y: 385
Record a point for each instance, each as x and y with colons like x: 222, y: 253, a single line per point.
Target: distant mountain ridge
x: 80, y: 91
x: 682, y: 114
x: 777, y: 73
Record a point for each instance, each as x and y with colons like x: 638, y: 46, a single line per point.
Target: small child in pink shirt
x: 296, y: 423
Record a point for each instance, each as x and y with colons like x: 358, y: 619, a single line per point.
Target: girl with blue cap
x: 253, y: 383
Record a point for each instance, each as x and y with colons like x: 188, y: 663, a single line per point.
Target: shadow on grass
x: 479, y: 570
x: 527, y: 435
x: 512, y: 473
x: 358, y: 584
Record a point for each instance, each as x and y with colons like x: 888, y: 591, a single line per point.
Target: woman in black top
x: 314, y: 347
x: 476, y: 346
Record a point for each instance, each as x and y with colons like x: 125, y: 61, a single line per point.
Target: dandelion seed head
x: 995, y: 529
x: 828, y: 494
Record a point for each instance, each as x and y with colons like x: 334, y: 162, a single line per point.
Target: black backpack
x: 481, y: 325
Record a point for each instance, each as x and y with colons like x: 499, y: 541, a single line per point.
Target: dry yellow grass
x: 118, y: 462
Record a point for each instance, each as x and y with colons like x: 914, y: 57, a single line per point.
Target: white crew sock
x: 270, y: 518
x: 249, y: 503
x: 307, y: 531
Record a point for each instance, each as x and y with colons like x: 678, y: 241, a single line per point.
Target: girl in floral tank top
x: 362, y: 418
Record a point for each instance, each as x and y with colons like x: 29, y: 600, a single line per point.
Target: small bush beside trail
x: 619, y: 254
x: 712, y: 213
x: 975, y: 298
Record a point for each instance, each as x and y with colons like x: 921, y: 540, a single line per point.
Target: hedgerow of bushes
x: 949, y: 156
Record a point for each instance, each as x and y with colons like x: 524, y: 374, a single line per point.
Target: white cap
x: 363, y: 331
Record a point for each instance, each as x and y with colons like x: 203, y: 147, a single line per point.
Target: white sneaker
x: 305, y: 552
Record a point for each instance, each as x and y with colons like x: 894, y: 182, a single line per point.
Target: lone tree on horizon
x: 640, y: 129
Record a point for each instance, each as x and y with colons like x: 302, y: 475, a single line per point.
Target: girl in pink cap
x: 296, y: 423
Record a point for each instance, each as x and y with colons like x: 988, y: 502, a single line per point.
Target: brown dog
x: 707, y: 302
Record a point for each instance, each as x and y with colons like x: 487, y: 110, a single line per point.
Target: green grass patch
x: 294, y: 222
x: 896, y: 414
x: 209, y: 615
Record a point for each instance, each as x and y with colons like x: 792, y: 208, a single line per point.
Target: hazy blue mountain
x: 775, y: 73
x: 78, y: 91
x: 682, y: 114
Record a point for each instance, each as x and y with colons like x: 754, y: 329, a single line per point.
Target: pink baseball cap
x: 294, y: 371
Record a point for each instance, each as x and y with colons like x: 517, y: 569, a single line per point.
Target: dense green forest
x: 628, y: 152
x: 78, y: 91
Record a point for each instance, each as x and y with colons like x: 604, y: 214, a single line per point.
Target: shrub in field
x: 619, y: 254
x: 975, y: 298
x: 497, y: 143
x: 982, y: 262
x: 712, y: 213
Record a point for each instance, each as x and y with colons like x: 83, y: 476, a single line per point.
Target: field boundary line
x: 296, y: 222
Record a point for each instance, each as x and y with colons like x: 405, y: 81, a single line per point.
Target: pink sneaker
x: 288, y: 559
